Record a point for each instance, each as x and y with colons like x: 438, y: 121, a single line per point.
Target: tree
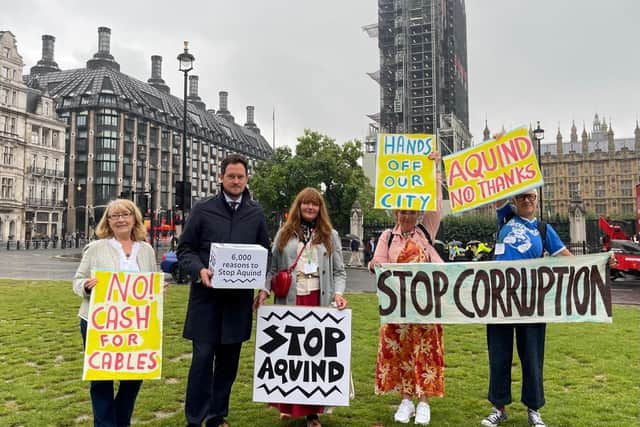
x: 319, y: 162
x: 371, y: 215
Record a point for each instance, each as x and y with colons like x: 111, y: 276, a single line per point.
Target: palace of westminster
x: 71, y: 140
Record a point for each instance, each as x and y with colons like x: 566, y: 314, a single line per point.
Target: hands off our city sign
x: 124, y: 327
x: 540, y: 290
x: 405, y: 176
x: 492, y: 171
x: 238, y: 266
x: 303, y: 355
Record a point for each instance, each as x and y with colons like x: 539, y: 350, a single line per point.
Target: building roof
x: 593, y: 146
x: 105, y: 87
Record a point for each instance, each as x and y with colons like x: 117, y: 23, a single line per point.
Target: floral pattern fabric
x: 411, y: 356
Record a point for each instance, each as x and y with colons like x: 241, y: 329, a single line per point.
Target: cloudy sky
x: 548, y: 60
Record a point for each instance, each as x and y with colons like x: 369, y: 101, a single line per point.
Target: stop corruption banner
x: 540, y: 290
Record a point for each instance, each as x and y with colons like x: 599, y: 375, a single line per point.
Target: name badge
x: 310, y: 268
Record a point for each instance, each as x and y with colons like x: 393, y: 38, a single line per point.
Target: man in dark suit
x: 218, y: 320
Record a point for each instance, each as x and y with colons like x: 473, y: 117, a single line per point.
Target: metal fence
x: 18, y: 245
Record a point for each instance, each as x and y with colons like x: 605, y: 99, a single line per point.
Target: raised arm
x: 431, y: 219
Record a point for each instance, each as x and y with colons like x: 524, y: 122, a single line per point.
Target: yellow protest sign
x: 405, y: 176
x: 124, y: 327
x: 492, y: 171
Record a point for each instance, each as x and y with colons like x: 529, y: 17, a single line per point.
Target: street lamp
x: 185, y: 61
x: 538, y: 135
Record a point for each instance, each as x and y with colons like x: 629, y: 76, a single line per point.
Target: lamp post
x: 538, y: 135
x: 185, y: 61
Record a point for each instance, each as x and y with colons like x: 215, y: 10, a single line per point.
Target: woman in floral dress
x: 411, y: 356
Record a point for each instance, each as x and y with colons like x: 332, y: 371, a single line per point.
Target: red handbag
x: 281, y: 282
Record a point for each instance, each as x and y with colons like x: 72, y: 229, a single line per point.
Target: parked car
x: 627, y: 255
x: 169, y: 264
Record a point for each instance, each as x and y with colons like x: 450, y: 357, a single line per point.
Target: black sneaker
x: 535, y: 419
x: 495, y: 417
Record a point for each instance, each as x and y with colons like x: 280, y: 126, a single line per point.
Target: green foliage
x: 371, y: 215
x: 468, y: 227
x: 319, y: 162
x: 591, y: 370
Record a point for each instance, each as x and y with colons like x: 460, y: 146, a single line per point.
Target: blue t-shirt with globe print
x: 521, y: 239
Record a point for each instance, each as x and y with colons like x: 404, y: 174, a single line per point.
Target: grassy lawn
x: 592, y: 370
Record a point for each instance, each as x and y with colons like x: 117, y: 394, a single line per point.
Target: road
x: 58, y: 264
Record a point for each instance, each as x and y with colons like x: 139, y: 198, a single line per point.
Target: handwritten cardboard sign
x: 550, y: 289
x: 303, y: 355
x: 238, y: 266
x: 492, y: 171
x: 405, y: 177
x: 124, y: 327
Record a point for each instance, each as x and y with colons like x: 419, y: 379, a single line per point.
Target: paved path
x: 58, y: 264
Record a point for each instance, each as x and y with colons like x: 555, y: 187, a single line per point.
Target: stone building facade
x: 32, y: 149
x: 125, y: 136
x: 594, y: 170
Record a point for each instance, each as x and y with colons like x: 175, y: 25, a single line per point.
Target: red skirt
x: 296, y: 410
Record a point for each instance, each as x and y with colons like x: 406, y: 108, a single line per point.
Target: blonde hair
x: 293, y: 227
x: 103, y: 229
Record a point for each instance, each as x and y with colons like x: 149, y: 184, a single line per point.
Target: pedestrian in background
x: 355, y: 252
x: 319, y: 278
x: 369, y: 250
x: 121, y: 247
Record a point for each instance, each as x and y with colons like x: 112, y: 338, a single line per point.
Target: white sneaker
x: 405, y: 411
x: 423, y: 414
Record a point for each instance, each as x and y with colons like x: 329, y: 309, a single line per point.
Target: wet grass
x: 591, y: 370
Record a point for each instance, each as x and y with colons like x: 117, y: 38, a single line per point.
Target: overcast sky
x: 548, y: 60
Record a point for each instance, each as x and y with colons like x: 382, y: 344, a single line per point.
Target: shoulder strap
x: 390, y: 238
x: 420, y: 226
x: 425, y: 232
x: 542, y: 229
x: 293, y: 266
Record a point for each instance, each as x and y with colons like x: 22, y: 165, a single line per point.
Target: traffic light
x: 183, y: 195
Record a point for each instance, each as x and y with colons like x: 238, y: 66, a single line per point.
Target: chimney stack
x: 156, y: 74
x: 48, y: 44
x: 250, y: 111
x: 251, y: 125
x: 223, y: 112
x: 103, y: 59
x: 193, y: 87
x: 104, y: 40
x: 193, y: 97
x: 223, y: 97
x: 47, y: 63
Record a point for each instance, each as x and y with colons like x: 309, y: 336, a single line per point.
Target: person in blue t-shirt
x: 519, y: 239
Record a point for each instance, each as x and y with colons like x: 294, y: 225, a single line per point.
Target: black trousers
x: 110, y: 410
x: 212, y: 373
x: 530, y: 343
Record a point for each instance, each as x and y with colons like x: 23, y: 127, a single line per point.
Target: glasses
x: 529, y: 197
x: 125, y: 215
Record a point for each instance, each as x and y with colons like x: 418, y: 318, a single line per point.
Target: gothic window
x: 598, y: 169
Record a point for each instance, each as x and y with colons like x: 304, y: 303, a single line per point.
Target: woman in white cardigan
x: 121, y: 247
